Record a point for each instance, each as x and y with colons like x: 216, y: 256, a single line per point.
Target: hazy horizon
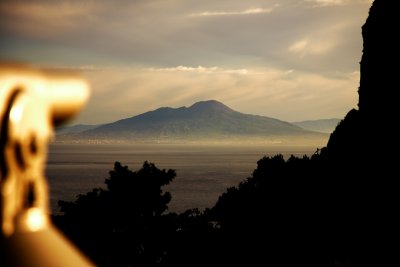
x: 203, y: 172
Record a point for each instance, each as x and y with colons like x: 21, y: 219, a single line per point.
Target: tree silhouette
x: 122, y: 224
x: 279, y: 215
x: 139, y: 192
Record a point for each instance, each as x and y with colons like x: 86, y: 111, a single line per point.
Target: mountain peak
x: 210, y: 105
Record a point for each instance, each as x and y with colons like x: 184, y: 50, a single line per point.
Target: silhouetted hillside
x: 360, y: 150
x: 203, y: 120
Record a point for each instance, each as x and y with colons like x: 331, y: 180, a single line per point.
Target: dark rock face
x: 371, y: 129
x: 380, y: 60
x: 360, y: 150
x: 379, y: 68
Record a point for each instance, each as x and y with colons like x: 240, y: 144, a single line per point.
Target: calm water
x: 203, y: 172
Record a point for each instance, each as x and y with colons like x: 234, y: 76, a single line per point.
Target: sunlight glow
x: 35, y: 219
x: 325, y: 3
x: 251, y: 11
x: 318, y: 46
x: 200, y: 69
x: 16, y: 113
x: 299, y: 46
x: 328, y: 2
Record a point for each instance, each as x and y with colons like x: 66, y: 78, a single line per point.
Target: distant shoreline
x: 319, y: 141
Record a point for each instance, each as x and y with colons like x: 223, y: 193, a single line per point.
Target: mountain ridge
x: 320, y: 125
x: 202, y: 120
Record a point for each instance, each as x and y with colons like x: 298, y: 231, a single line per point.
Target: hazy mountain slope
x: 323, y: 126
x: 210, y: 120
x: 202, y: 118
x: 78, y: 128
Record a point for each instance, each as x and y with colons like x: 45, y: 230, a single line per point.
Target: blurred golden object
x: 32, y: 102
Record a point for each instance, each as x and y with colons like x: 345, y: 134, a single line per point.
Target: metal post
x: 32, y: 101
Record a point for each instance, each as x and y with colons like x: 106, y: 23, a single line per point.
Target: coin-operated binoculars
x: 32, y: 102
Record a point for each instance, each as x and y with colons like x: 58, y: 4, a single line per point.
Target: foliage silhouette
x: 120, y: 226
x: 278, y: 216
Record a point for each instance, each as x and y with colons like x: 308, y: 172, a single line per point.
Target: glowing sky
x: 288, y: 59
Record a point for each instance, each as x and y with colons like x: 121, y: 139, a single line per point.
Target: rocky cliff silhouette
x: 361, y: 151
x: 363, y: 129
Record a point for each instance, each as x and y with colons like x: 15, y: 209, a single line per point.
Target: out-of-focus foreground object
x: 32, y: 102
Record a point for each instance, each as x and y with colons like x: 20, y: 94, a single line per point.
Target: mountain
x: 323, y: 126
x: 205, y: 120
x: 78, y: 128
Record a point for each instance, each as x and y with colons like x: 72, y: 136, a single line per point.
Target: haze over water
x: 203, y: 172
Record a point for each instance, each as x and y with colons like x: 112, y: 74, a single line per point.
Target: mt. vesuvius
x: 206, y: 120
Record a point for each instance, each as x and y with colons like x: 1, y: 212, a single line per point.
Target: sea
x: 204, y: 172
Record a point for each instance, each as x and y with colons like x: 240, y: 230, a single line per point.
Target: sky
x: 292, y: 60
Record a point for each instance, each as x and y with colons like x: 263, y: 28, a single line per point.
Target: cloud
x: 306, y: 47
x: 45, y: 18
x: 325, y: 3
x: 160, y: 33
x: 200, y: 69
x: 299, y: 46
x: 250, y: 11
